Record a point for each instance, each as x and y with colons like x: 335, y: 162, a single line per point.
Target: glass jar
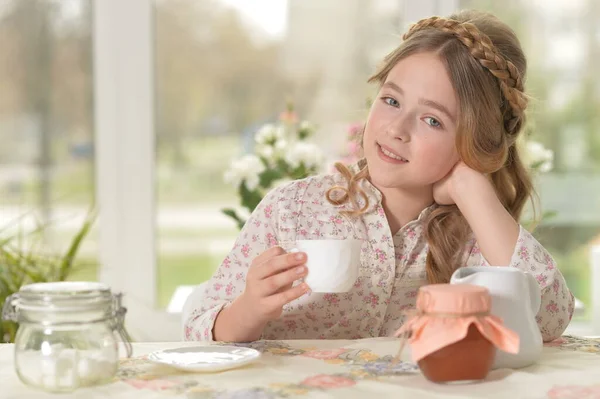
x: 453, y: 336
x: 66, y: 336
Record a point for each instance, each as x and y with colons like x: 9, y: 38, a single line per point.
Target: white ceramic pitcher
x: 516, y: 299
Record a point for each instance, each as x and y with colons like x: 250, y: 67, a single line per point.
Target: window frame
x: 123, y: 35
x: 125, y: 156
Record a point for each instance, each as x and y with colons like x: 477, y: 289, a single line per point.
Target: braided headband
x: 485, y: 52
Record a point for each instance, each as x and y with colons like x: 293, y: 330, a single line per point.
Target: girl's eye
x: 433, y: 122
x: 390, y: 101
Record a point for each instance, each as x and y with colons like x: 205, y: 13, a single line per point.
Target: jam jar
x: 67, y: 335
x: 453, y: 336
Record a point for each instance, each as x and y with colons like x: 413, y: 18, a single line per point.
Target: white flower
x: 306, y: 125
x: 546, y: 166
x: 305, y: 129
x: 304, y: 153
x: 271, y: 153
x: 269, y: 134
x: 245, y: 169
x: 266, y: 151
x: 281, y: 145
x: 538, y: 156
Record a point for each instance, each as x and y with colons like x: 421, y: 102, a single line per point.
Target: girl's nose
x: 400, y: 127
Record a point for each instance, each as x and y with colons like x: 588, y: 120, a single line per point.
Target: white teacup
x: 332, y: 264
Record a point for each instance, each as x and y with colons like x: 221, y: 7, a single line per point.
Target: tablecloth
x: 569, y: 368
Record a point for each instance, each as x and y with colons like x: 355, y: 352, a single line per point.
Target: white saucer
x: 205, y: 358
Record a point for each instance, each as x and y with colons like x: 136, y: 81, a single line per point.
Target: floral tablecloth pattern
x: 569, y: 368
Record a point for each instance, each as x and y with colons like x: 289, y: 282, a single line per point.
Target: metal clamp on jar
x: 66, y: 336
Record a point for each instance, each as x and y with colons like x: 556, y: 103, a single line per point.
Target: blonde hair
x: 487, y: 67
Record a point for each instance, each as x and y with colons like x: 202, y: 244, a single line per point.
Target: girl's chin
x: 382, y: 180
x: 397, y: 180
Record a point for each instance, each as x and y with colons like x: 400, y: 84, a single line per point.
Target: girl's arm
x: 495, y: 229
x: 228, y: 282
x: 502, y: 241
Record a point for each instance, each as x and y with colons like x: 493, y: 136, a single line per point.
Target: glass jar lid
x: 63, y: 296
x: 59, y: 303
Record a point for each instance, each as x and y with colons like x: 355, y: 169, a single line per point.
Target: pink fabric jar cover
x: 444, y: 314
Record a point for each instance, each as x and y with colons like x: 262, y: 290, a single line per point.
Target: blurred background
x: 221, y: 69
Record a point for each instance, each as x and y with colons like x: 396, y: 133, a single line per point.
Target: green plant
x: 283, y: 152
x: 24, y: 261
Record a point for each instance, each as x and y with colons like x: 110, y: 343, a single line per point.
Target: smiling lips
x: 389, y: 156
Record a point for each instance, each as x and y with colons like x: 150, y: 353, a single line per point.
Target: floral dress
x: 392, y: 268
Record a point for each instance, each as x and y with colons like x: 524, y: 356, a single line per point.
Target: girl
x: 441, y: 186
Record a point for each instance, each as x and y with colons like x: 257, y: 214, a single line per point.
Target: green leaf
x: 233, y: 214
x: 66, y: 265
x: 300, y: 172
x: 283, y: 167
x: 250, y: 199
x: 269, y: 176
x: 536, y: 165
x: 304, y: 133
x: 549, y: 215
x: 24, y: 262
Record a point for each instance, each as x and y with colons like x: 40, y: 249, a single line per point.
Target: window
x: 182, y: 85
x: 46, y: 123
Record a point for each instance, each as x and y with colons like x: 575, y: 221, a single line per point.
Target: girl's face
x: 409, y: 138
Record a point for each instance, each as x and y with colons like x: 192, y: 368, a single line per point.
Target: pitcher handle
x: 535, y: 293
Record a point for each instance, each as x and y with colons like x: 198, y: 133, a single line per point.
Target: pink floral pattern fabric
x: 355, y: 369
x: 392, y: 268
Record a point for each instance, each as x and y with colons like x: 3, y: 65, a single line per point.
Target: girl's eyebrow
x: 422, y: 101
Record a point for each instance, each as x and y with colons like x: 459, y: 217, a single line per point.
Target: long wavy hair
x: 487, y: 67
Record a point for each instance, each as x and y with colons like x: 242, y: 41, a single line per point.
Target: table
x: 569, y: 368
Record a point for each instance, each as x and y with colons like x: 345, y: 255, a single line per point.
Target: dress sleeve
x: 229, y: 280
